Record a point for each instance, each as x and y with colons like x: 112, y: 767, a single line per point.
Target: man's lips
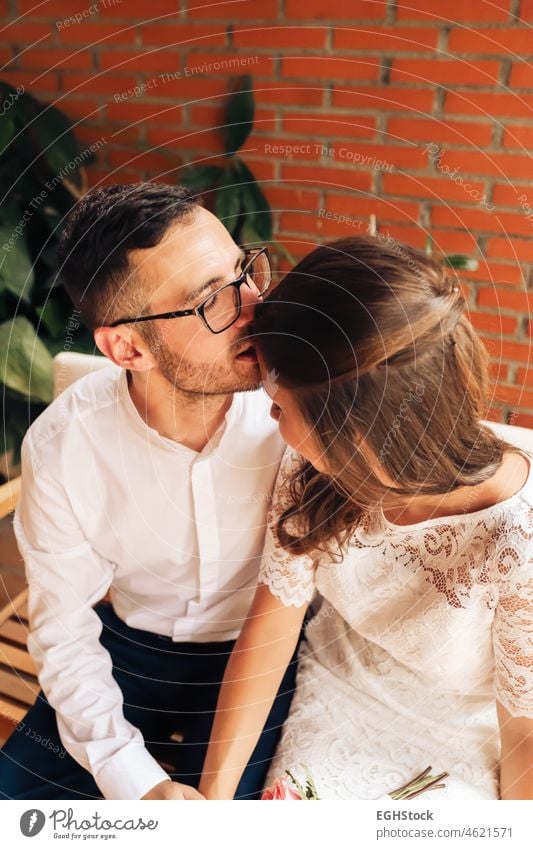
x: 247, y: 355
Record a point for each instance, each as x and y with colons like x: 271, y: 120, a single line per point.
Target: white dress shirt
x: 176, y: 536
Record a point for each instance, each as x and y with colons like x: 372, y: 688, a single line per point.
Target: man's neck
x: 191, y: 420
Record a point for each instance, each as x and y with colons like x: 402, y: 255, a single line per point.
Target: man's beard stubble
x: 203, y: 379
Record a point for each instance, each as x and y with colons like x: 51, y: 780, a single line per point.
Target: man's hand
x: 168, y: 789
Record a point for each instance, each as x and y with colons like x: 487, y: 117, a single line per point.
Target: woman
x: 411, y: 520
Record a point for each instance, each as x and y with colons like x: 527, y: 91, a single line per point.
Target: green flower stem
x: 419, y: 785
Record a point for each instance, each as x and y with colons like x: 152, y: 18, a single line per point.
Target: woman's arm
x: 516, y: 763
x: 252, y: 679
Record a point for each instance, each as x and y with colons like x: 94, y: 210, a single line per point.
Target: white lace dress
x: 417, y: 633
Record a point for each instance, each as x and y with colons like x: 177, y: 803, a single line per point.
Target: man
x: 151, y: 483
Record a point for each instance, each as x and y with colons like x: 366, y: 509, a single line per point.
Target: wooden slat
x: 18, y: 688
x: 9, y: 495
x: 22, y: 608
x: 16, y: 606
x: 12, y: 711
x: 12, y: 582
x: 15, y: 631
x: 14, y: 685
x: 16, y: 658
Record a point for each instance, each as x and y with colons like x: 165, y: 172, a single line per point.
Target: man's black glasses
x: 223, y: 307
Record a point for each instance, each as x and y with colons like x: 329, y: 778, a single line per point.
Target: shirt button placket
x: 205, y: 509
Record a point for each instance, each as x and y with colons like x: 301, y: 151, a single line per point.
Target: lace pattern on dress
x: 468, y: 560
x: 513, y: 621
x: 290, y: 577
x: 492, y: 554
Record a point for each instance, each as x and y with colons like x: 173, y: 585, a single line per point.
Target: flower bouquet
x: 282, y: 790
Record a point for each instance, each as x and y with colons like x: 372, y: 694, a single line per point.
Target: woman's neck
x: 506, y: 482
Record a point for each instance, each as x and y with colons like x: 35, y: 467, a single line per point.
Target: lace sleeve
x: 291, y: 578
x: 513, y: 621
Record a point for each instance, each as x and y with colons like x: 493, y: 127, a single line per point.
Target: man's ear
x: 124, y: 347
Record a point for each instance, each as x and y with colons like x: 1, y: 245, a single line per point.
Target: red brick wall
x: 388, y: 108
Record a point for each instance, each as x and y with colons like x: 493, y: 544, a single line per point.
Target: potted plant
x: 42, y: 174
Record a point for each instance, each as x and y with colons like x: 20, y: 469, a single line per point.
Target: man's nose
x: 249, y: 301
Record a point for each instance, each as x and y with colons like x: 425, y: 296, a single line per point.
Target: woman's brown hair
x: 370, y: 338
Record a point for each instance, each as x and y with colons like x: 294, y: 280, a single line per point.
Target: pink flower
x: 281, y: 789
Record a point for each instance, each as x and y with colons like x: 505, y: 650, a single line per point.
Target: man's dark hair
x: 99, y: 232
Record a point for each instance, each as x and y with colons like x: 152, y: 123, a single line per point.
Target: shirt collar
x: 136, y: 420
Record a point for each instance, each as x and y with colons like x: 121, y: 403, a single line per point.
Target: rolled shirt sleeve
x: 66, y: 577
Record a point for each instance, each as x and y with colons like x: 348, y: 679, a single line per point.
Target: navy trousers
x: 168, y: 688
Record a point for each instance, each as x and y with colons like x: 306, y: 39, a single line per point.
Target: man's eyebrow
x: 200, y: 289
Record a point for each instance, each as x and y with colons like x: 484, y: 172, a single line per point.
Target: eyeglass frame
x: 199, y: 308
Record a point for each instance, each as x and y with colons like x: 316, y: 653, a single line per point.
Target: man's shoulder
x: 84, y: 398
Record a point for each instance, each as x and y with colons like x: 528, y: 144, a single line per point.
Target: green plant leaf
x: 310, y: 788
x: 255, y: 207
x: 10, y: 212
x: 228, y: 200
x: 201, y: 178
x: 83, y: 344
x: 53, y: 319
x: 19, y: 413
x: 16, y: 267
x: 239, y: 113
x: 49, y: 256
x: 248, y: 235
x: 53, y: 219
x: 26, y: 365
x: 45, y: 142
x: 19, y: 185
x: 8, y: 94
x: 7, y: 131
x: 8, y: 100
x: 51, y: 132
x: 460, y: 261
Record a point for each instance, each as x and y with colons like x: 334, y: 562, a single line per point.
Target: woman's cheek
x: 283, y: 430
x: 301, y: 439
x: 295, y: 439
x: 287, y: 432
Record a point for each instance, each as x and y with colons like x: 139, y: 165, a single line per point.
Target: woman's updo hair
x: 371, y: 338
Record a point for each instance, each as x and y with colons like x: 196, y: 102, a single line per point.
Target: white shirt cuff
x: 130, y: 773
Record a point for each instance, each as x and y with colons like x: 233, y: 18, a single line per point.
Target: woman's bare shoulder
x: 510, y: 478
